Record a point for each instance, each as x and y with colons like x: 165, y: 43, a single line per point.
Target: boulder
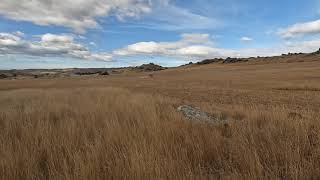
x: 3, y: 76
x: 197, y: 115
x: 104, y: 73
x: 150, y: 67
x: 209, y: 61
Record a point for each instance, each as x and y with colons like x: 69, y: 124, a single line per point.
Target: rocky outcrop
x: 197, y: 115
x: 150, y: 67
x: 220, y: 60
x: 234, y: 60
x: 210, y: 61
x: 3, y: 76
x: 104, y: 73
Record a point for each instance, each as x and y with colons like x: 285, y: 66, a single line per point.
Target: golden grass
x: 111, y: 133
x: 127, y: 126
x: 295, y: 88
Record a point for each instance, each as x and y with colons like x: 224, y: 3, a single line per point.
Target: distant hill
x: 290, y: 57
x: 71, y: 72
x: 150, y: 67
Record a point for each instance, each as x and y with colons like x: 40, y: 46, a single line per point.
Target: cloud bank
x: 167, y: 48
x: 47, y: 45
x: 297, y: 29
x: 76, y: 14
x: 201, y: 46
x: 189, y: 46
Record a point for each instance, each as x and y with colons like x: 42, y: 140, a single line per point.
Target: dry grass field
x: 127, y: 127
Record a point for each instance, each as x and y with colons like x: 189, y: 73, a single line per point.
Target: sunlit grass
x: 111, y: 133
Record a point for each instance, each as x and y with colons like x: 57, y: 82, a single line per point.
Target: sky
x: 118, y: 33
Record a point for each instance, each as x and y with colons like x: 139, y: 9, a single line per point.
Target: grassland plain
x: 127, y: 126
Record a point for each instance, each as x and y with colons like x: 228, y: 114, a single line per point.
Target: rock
x: 150, y: 67
x: 209, y: 61
x: 197, y: 115
x: 104, y: 73
x: 115, y: 72
x: 3, y: 76
x: 231, y: 60
x: 90, y: 71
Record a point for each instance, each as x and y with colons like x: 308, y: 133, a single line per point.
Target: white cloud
x: 246, y: 39
x: 303, y: 46
x: 7, y: 39
x: 48, y: 45
x: 311, y: 27
x: 200, y: 46
x: 52, y: 38
x: 189, y: 46
x: 195, y: 38
x: 204, y: 52
x: 19, y: 33
x: 164, y: 48
x: 76, y: 14
x: 195, y: 46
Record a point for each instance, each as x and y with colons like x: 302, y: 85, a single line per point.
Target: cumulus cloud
x: 195, y: 46
x: 48, y: 45
x: 189, y: 46
x: 246, y: 39
x: 8, y: 40
x: 311, y: 27
x: 200, y: 46
x: 164, y: 48
x: 19, y: 33
x: 76, y: 14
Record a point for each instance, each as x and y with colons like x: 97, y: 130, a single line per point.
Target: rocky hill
x: 149, y: 67
x: 58, y: 73
x: 284, y: 58
x: 73, y: 72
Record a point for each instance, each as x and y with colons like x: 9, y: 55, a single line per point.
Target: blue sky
x: 113, y: 33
